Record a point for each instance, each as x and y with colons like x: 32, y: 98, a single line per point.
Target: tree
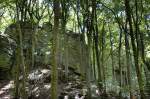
x: 54, y: 75
x: 134, y: 48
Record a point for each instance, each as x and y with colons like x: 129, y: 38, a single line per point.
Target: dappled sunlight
x: 5, y: 90
x: 74, y: 49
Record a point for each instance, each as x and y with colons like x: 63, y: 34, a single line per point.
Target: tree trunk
x: 112, y: 56
x: 21, y: 61
x: 94, y: 61
x: 17, y: 73
x: 120, y: 67
x: 128, y: 62
x: 54, y: 75
x: 102, y: 55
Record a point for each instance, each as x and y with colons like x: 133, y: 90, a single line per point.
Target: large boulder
x: 75, y: 52
x: 72, y: 50
x: 27, y: 29
x: 5, y: 56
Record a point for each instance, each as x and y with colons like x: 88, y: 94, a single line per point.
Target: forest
x: 74, y: 49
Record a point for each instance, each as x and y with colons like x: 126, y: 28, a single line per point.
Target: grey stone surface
x: 72, y: 51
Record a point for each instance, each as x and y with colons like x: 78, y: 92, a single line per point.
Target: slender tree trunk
x: 128, y: 61
x: 17, y: 73
x: 103, y: 54
x: 88, y: 68
x: 54, y: 75
x: 66, y: 57
x: 94, y: 65
x: 120, y: 67
x: 21, y: 59
x: 112, y: 56
x: 89, y: 49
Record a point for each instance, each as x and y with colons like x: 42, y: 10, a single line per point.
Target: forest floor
x: 5, y: 88
x: 39, y: 86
